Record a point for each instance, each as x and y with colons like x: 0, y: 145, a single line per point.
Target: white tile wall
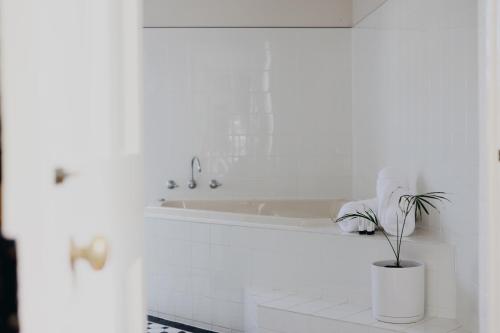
x: 415, y: 106
x: 268, y: 111
x: 240, y: 259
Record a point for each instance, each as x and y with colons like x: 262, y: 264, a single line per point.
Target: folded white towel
x: 361, y: 206
x: 391, y: 185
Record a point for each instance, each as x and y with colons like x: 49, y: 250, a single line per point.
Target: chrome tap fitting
x: 192, y: 183
x: 171, y: 184
x: 214, y: 184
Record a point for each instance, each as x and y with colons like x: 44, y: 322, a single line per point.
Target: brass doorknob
x: 96, y: 253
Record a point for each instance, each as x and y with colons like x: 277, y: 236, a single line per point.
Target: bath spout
x: 195, y: 160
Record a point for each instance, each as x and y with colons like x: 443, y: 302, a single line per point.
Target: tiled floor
x: 159, y: 328
x: 158, y: 325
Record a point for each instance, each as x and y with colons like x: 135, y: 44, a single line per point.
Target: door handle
x: 96, y: 253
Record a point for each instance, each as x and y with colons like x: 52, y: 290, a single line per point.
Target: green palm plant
x: 418, y: 204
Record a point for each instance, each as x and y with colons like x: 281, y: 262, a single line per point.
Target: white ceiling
x: 257, y: 13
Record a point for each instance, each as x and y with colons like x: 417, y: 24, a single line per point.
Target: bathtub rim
x: 421, y: 235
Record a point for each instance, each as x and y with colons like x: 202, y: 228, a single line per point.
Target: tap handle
x: 214, y: 184
x: 171, y: 184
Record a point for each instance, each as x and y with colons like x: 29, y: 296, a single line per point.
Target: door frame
x: 489, y: 165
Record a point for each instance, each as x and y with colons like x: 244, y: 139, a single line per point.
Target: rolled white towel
x: 351, y: 225
x: 390, y: 178
x: 394, y: 174
x: 391, y: 185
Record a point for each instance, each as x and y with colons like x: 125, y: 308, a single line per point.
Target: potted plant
x: 398, y: 286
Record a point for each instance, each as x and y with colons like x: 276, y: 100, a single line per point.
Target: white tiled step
x: 292, y: 313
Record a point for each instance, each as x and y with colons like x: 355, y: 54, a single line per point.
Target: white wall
x: 415, y: 106
x: 257, y: 13
x: 363, y: 8
x: 268, y: 111
x: 248, y: 13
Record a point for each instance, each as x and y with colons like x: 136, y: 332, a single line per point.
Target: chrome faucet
x: 192, y: 182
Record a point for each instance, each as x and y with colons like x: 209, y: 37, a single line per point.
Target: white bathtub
x: 204, y: 256
x: 298, y: 213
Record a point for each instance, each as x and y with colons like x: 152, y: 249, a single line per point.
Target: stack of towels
x: 391, y: 185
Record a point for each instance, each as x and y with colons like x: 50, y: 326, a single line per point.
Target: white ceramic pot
x: 398, y: 294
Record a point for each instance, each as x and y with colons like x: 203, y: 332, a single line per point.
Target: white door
x: 71, y: 101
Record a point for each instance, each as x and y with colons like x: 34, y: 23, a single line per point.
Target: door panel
x: 71, y: 86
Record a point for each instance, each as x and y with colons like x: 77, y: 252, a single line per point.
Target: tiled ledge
x: 317, y: 226
x: 281, y: 312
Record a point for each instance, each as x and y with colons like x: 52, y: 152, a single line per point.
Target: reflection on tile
x: 238, y: 98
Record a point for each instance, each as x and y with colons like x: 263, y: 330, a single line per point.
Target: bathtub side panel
x: 202, y: 273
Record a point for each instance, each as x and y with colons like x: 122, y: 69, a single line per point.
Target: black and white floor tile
x: 158, y: 325
x: 160, y: 328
